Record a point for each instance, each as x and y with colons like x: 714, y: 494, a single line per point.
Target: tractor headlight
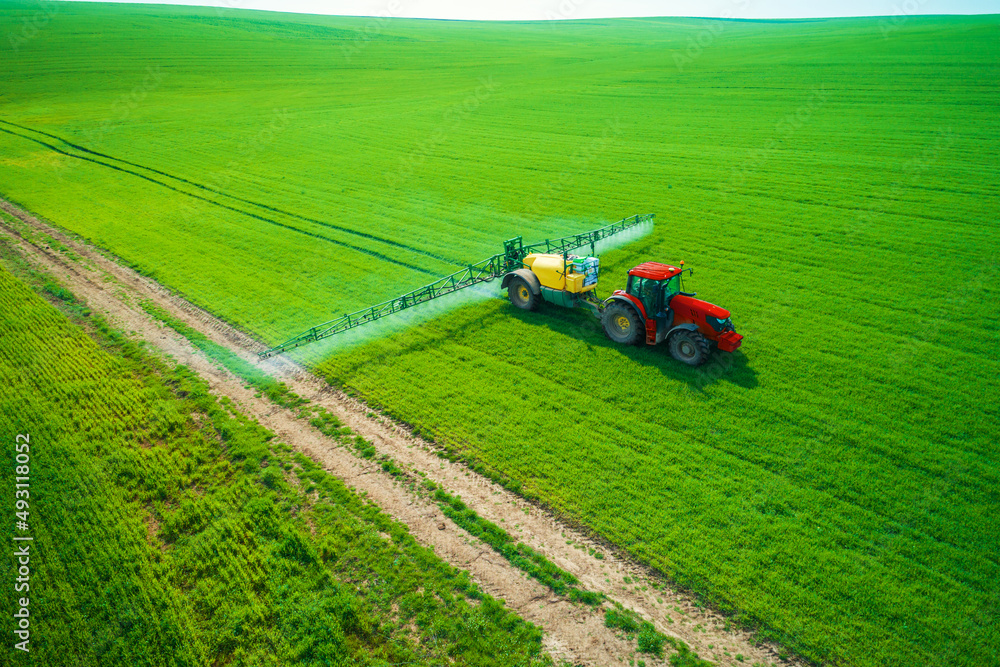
x: 720, y: 325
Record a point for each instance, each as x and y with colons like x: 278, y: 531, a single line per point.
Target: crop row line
x: 207, y: 188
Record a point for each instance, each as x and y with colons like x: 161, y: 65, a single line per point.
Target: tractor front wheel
x: 622, y: 324
x: 689, y: 347
x: 520, y: 294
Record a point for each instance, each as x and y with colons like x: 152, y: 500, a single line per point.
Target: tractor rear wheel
x: 520, y: 294
x: 622, y: 324
x: 689, y: 347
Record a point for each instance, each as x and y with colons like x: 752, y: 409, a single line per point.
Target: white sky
x: 582, y: 9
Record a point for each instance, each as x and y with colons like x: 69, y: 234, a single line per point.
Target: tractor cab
x: 654, y: 285
x: 653, y: 308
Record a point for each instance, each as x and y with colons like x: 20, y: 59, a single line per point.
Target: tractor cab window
x: 671, y: 287
x: 649, y: 292
x: 654, y: 294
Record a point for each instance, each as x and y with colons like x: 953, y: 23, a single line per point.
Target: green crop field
x: 835, y: 184
x: 168, y: 529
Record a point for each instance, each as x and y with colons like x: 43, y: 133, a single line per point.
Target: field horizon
x: 834, y: 182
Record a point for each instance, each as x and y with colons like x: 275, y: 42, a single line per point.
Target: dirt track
x: 572, y: 632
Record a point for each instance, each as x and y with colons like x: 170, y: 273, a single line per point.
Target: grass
x: 833, y: 183
x: 169, y: 529
x: 649, y: 640
x: 277, y: 391
x: 519, y: 555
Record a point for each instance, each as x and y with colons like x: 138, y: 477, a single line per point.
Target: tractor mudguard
x: 528, y: 276
x: 687, y: 325
x: 620, y: 295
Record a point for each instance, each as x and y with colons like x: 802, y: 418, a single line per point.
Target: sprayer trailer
x: 651, y: 309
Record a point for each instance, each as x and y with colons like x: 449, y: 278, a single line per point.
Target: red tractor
x: 651, y: 309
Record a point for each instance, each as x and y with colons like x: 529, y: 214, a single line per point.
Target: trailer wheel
x: 622, y: 324
x: 689, y: 347
x: 520, y: 294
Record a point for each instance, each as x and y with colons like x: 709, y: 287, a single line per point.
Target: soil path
x: 573, y: 632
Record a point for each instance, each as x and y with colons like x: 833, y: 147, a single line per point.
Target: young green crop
x: 171, y: 530
x: 520, y: 555
x: 832, y: 182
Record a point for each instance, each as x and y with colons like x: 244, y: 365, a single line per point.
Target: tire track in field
x: 274, y: 209
x: 366, y: 251
x: 572, y: 632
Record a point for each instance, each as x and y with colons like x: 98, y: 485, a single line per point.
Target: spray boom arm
x: 493, y: 267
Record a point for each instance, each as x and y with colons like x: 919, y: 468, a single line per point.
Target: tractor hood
x: 688, y: 306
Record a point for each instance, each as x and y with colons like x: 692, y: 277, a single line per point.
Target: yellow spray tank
x: 560, y: 272
x: 562, y: 278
